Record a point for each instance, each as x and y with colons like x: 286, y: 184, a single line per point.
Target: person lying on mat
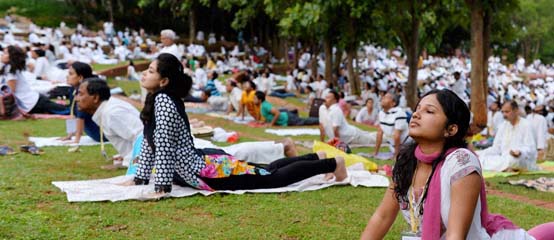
x: 27, y: 100
x: 437, y: 182
x: 118, y: 120
x: 274, y: 116
x: 168, y: 145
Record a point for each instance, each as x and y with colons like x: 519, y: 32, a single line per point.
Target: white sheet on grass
x: 294, y: 131
x: 107, y: 190
x: 54, y: 141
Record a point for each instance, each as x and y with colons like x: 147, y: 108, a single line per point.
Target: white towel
x: 107, y: 190
x: 54, y: 141
x: 294, y: 131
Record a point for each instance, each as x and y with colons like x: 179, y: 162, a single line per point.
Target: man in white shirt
x: 119, y: 121
x: 235, y: 94
x: 540, y: 129
x: 513, y: 147
x: 333, y: 124
x: 393, y: 124
x: 167, y: 36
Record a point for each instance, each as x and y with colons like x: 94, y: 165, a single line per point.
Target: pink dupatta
x: 432, y: 216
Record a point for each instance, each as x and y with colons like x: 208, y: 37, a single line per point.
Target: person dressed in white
x: 119, y: 121
x: 167, y: 36
x: 494, y: 118
x: 369, y: 114
x: 540, y: 129
x: 333, y: 124
x: 234, y: 95
x: 393, y: 124
x: 513, y: 146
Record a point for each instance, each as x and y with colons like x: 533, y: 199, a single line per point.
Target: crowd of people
x: 434, y: 168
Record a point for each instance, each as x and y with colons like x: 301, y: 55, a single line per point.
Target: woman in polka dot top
x: 168, y: 145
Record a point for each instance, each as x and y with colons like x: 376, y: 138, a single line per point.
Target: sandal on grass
x: 6, y: 150
x: 34, y: 150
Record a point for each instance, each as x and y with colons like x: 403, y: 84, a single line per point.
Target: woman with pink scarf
x: 437, y: 182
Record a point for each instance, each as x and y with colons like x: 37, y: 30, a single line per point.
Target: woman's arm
x: 12, y: 83
x: 464, y: 195
x: 145, y: 164
x: 383, y: 218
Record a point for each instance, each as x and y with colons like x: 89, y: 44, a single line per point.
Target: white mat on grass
x: 107, y: 190
x: 294, y: 131
x: 54, y: 141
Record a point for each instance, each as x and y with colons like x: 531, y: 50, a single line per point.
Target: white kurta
x: 509, y: 137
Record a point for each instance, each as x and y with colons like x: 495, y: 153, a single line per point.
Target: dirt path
x: 519, y: 198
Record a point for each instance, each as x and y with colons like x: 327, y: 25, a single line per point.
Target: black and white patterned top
x: 174, y: 149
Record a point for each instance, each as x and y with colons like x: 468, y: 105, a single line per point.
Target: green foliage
x: 41, y: 12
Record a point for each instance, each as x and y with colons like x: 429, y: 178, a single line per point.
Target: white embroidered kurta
x: 509, y: 137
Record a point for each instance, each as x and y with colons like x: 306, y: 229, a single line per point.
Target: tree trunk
x: 192, y: 25
x: 413, y: 54
x: 110, y: 10
x: 487, y: 23
x: 336, y: 65
x: 478, y: 100
x: 286, y: 54
x: 352, y: 76
x: 315, y: 52
x: 328, y: 49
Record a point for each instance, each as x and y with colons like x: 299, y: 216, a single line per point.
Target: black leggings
x: 284, y: 172
x: 44, y: 105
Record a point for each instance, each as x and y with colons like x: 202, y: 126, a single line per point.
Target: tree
x: 415, y: 23
x: 481, y: 12
x: 181, y: 8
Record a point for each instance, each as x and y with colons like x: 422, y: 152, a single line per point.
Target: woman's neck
x: 431, y: 147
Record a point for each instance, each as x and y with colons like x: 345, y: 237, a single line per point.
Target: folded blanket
x: 542, y: 184
x: 108, y: 190
x: 294, y: 131
x: 53, y: 141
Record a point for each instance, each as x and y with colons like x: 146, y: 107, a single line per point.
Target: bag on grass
x: 8, y: 106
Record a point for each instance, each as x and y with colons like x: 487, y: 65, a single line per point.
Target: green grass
x: 41, y: 12
x: 32, y: 208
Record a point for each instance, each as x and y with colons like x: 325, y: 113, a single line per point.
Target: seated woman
x: 437, y: 182
x: 274, y: 116
x: 168, y: 145
x: 247, y: 101
x: 27, y: 100
x: 77, y: 73
x: 368, y: 115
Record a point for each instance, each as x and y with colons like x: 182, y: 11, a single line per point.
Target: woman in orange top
x: 247, y: 101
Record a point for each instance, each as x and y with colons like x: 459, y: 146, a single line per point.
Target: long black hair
x: 17, y: 60
x: 456, y: 112
x: 178, y: 87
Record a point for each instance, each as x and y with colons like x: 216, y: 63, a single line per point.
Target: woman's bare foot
x: 340, y: 172
x: 321, y: 155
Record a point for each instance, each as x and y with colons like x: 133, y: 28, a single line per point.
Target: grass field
x: 32, y: 208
